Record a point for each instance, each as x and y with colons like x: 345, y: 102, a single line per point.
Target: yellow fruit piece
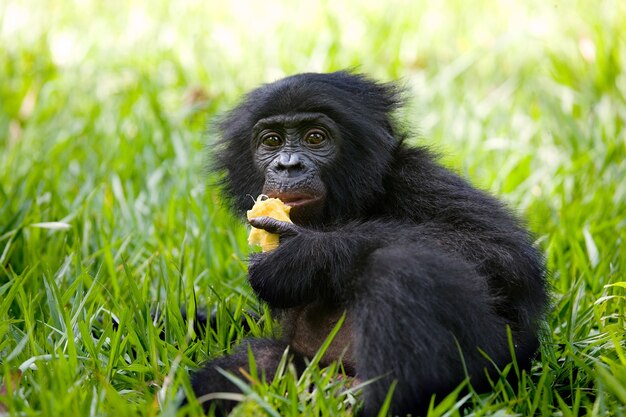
x: 267, y: 207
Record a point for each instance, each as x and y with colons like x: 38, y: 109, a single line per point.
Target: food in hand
x: 267, y: 207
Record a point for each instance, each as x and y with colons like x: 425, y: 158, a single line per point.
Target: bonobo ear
x: 232, y: 160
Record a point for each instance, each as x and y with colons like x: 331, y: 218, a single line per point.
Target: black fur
x: 423, y: 263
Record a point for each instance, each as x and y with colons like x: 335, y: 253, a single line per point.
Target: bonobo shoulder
x: 419, y: 188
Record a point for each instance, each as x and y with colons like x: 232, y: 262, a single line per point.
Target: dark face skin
x: 292, y: 150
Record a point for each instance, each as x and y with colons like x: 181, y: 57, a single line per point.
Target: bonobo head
x: 292, y: 150
x: 322, y: 143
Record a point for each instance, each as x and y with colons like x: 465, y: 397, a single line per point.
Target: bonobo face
x: 292, y: 150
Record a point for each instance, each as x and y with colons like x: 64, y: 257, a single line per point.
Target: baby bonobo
x: 429, y: 271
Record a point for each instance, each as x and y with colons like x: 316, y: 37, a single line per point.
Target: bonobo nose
x: 290, y: 164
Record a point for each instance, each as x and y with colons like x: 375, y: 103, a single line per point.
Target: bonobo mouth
x: 295, y: 199
x: 307, y: 203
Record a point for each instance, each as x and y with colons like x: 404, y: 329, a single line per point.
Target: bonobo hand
x: 285, y: 230
x: 279, y: 278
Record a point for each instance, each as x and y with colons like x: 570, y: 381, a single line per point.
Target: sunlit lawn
x: 107, y: 214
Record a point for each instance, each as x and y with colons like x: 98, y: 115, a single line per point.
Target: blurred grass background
x: 106, y: 212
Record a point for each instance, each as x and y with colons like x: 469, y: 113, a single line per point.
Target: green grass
x: 103, y: 109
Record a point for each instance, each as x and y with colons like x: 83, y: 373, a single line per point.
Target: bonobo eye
x: 315, y: 137
x: 272, y: 140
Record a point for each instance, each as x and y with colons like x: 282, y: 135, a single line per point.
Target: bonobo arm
x: 326, y: 265
x: 311, y: 264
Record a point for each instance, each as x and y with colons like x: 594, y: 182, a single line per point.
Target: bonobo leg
x: 419, y: 308
x: 267, y: 354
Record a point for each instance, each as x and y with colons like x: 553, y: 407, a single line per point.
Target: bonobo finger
x: 271, y: 225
